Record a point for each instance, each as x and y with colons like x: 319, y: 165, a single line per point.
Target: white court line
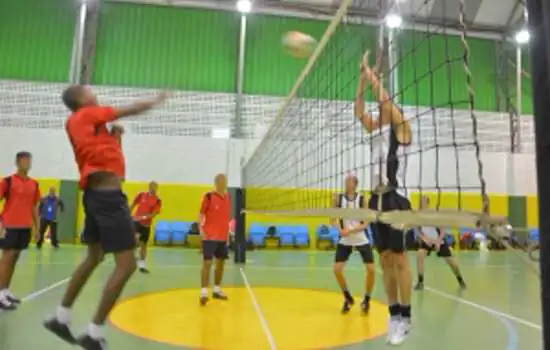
x: 484, y: 308
x: 45, y: 290
x: 263, y: 321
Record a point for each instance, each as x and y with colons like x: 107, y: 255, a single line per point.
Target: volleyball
x: 299, y: 45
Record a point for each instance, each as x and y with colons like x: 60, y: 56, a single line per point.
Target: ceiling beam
x: 358, y: 16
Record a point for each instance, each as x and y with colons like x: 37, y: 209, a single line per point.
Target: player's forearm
x: 360, y: 98
x: 137, y: 108
x: 35, y: 217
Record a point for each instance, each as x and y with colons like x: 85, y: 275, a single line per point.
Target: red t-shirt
x: 94, y: 147
x: 24, y: 196
x: 147, y: 203
x: 216, y: 209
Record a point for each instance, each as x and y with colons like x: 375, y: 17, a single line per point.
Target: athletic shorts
x: 143, y: 231
x: 444, y: 249
x: 108, y: 220
x: 390, y: 239
x: 16, y: 239
x: 343, y: 253
x: 214, y: 249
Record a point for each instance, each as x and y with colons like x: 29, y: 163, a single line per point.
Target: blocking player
x: 390, y: 242
x: 433, y: 239
x: 214, y: 218
x: 108, y: 224
x: 352, y: 237
x: 148, y: 206
x: 21, y: 195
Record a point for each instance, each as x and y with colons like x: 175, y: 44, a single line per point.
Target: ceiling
x: 482, y: 16
x: 489, y: 15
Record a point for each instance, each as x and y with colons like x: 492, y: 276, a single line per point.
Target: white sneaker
x: 393, y: 327
x: 6, y: 305
x: 403, y: 329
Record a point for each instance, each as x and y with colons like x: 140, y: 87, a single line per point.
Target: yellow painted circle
x: 295, y: 318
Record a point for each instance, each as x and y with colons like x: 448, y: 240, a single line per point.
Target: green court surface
x: 280, y: 300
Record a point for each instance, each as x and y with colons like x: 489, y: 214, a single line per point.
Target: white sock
x: 204, y: 292
x: 95, y: 331
x: 141, y: 264
x: 3, y: 293
x: 63, y: 314
x: 217, y: 289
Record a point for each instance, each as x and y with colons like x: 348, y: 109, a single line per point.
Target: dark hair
x: 22, y: 154
x: 71, y: 97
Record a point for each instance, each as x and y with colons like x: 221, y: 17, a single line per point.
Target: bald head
x: 221, y: 183
x: 77, y: 96
x: 153, y: 187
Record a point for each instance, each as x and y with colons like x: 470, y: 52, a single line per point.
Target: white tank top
x: 357, y: 238
x: 430, y: 232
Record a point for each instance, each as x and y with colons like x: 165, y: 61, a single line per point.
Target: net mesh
x: 317, y: 138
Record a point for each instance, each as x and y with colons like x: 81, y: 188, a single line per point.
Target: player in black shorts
x: 433, y: 239
x: 390, y: 242
x: 352, y: 237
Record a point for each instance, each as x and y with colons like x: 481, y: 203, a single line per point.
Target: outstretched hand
x: 163, y: 96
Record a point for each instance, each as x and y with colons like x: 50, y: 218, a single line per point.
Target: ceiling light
x: 523, y: 36
x: 393, y: 20
x: 244, y: 6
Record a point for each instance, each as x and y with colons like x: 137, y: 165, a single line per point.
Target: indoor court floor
x: 280, y: 300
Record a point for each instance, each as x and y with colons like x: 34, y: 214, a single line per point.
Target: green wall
x: 36, y: 39
x: 195, y: 49
x: 166, y: 47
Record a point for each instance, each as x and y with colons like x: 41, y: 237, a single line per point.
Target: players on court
x: 109, y: 226
x: 145, y: 207
x: 433, y: 239
x: 390, y: 242
x: 352, y: 237
x: 214, y: 218
x: 21, y: 195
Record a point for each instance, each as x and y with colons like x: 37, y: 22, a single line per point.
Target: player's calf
x: 349, y: 301
x: 205, y: 280
x: 7, y: 265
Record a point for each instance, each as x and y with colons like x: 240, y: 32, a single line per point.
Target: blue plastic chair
x: 163, y: 233
x: 301, y: 237
x: 286, y: 235
x: 180, y: 230
x: 334, y: 236
x: 258, y: 234
x: 534, y: 235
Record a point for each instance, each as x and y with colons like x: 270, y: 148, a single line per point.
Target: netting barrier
x: 320, y: 134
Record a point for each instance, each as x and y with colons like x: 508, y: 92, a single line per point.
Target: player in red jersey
x: 109, y: 227
x: 148, y: 206
x: 21, y: 196
x: 214, y: 219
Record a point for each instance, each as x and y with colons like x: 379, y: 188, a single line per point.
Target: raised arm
x: 361, y: 114
x: 334, y: 222
x: 141, y: 106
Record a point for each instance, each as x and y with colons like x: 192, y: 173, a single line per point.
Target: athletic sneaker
x: 462, y: 285
x: 203, y: 300
x: 89, y: 343
x: 12, y: 298
x: 365, y: 306
x: 60, y: 329
x: 219, y: 295
x: 393, y: 327
x: 144, y: 270
x: 348, y: 304
x: 6, y: 305
x: 402, y: 332
x: 419, y: 286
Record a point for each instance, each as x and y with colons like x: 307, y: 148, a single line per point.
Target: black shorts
x: 214, y: 249
x: 143, y: 231
x: 16, y: 239
x: 444, y: 249
x: 108, y: 220
x: 343, y: 253
x: 391, y: 239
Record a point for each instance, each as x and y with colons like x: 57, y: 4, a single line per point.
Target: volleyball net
x: 318, y: 137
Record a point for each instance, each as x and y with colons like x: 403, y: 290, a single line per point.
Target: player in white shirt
x: 352, y: 237
x: 433, y: 239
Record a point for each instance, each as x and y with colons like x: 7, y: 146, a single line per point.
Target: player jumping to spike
x: 433, y: 239
x: 108, y: 223
x: 352, y: 236
x: 390, y: 242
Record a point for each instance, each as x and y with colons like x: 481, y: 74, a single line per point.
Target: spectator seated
x: 258, y: 234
